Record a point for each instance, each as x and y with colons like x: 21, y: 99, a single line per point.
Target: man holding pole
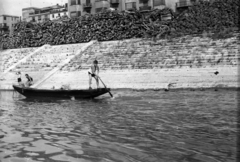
x: 93, y: 72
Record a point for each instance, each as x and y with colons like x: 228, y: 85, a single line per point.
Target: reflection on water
x: 148, y: 126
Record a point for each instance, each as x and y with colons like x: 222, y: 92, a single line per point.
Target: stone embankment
x: 186, y: 62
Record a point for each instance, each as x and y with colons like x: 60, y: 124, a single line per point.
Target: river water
x: 134, y: 126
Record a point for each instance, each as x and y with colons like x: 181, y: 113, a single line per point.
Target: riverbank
x: 178, y: 78
x: 182, y: 63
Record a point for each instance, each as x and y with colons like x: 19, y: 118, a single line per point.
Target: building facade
x: 7, y: 22
x: 26, y: 12
x: 82, y: 7
x: 33, y: 14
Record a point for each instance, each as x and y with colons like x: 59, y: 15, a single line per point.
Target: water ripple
x: 135, y: 126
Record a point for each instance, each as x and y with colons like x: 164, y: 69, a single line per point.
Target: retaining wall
x: 187, y: 62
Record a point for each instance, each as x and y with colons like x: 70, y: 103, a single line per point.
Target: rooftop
x: 45, y: 8
x: 9, y: 16
x: 30, y: 8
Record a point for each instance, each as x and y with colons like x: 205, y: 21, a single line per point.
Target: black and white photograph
x: 119, y: 80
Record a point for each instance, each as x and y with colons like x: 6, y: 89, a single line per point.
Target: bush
x: 218, y: 17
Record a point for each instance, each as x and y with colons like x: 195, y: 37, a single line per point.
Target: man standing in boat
x: 93, y: 72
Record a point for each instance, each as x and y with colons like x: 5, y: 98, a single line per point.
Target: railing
x: 100, y: 0
x: 4, y: 27
x: 143, y: 1
x: 87, y: 5
x: 45, y: 11
x: 56, y: 11
x: 132, y: 9
x: 145, y: 8
x: 114, y: 1
x: 184, y: 4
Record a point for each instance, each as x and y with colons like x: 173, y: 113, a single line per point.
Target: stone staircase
x: 188, y: 61
x: 9, y: 58
x: 178, y: 53
x: 38, y: 63
x: 81, y: 48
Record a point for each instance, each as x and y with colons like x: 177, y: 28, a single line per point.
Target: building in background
x: 81, y: 7
x: 7, y: 22
x: 26, y: 12
x: 33, y: 14
x: 75, y: 8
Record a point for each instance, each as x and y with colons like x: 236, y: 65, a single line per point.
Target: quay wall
x: 186, y: 62
x: 150, y: 78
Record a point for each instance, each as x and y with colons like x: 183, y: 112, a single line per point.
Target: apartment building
x: 35, y: 14
x: 7, y: 22
x: 81, y: 7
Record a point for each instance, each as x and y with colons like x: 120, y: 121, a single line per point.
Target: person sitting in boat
x: 93, y: 73
x: 19, y: 79
x: 29, y: 80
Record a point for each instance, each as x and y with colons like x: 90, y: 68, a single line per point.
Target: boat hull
x: 60, y: 93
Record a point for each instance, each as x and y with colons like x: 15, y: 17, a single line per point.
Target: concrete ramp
x: 48, y: 75
x: 22, y: 60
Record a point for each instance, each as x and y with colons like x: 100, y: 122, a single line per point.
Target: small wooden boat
x: 60, y: 93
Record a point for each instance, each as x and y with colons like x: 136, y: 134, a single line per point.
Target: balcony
x: 145, y: 8
x: 114, y: 3
x: 143, y: 1
x: 87, y: 7
x: 186, y: 3
x: 59, y: 10
x: 131, y: 9
x: 5, y: 28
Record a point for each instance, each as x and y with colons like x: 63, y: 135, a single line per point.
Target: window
x: 101, y: 9
x: 78, y: 13
x: 88, y: 1
x: 39, y: 17
x: 131, y: 5
x: 73, y: 14
x: 52, y: 15
x: 4, y: 17
x: 73, y: 2
x: 158, y: 2
x: 98, y: 10
x: 183, y: 2
x: 79, y: 2
x: 5, y: 24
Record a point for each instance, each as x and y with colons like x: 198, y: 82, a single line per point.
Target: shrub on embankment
x: 219, y: 18
x: 207, y: 16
